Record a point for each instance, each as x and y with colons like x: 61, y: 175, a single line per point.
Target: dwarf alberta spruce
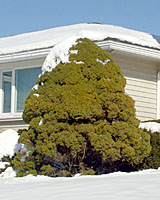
x: 82, y: 121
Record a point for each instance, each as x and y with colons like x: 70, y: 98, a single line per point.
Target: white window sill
x: 11, y: 117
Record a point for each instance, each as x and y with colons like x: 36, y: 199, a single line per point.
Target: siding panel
x: 141, y: 94
x: 143, y: 88
x: 141, y: 85
x: 144, y: 99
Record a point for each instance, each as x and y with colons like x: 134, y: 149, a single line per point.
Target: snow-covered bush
x: 80, y: 119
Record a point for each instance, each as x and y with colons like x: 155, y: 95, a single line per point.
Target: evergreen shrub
x: 153, y: 160
x: 82, y: 121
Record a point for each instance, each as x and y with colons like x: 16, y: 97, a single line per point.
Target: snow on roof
x: 157, y: 38
x: 96, y: 32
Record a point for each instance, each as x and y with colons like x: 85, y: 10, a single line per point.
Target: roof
x: 96, y: 32
x: 157, y: 38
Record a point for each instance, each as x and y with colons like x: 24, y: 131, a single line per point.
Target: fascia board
x: 28, y: 55
x: 130, y: 49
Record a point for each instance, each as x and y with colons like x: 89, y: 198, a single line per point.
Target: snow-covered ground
x: 117, y: 186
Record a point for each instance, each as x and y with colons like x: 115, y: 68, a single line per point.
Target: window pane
x: 25, y: 80
x: 6, y: 86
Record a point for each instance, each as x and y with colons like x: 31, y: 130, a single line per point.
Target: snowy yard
x: 136, y: 185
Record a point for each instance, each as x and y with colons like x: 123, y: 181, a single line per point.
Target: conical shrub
x: 80, y: 119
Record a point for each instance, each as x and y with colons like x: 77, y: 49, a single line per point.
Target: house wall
x: 141, y: 77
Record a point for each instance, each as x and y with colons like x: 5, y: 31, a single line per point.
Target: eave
x: 122, y: 47
x: 25, y: 55
x: 110, y: 45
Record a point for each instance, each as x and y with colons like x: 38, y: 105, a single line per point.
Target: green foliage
x: 7, y: 164
x: 153, y: 161
x: 89, y: 172
x: 88, y: 122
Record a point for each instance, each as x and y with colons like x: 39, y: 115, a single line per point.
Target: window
x: 16, y: 85
x: 24, y: 81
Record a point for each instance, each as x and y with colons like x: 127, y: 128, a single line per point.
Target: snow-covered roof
x: 96, y: 32
x: 157, y: 38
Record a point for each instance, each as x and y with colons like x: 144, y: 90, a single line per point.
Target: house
x: 22, y: 57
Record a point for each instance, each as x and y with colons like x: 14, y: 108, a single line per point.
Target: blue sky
x: 20, y: 16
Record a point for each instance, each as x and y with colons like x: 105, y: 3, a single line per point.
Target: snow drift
x: 150, y: 126
x: 9, y: 143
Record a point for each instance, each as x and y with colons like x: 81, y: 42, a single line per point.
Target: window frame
x: 12, y: 90
x: 12, y: 115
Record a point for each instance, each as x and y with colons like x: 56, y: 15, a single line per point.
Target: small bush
x: 153, y: 161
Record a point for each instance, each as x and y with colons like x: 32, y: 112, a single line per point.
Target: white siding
x: 141, y: 77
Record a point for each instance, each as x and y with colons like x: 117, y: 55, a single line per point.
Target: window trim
x: 12, y: 115
x: 2, y: 97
